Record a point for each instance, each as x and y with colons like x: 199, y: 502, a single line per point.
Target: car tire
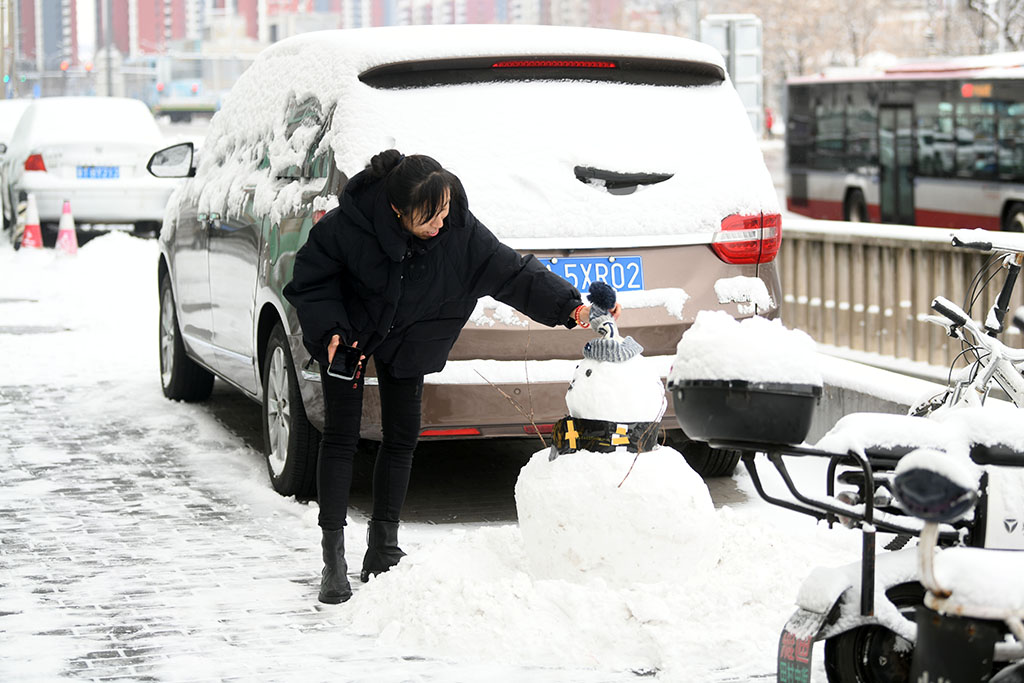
x: 706, y: 461
x: 290, y: 443
x: 867, y: 654
x: 181, y: 377
x: 1014, y: 221
x: 855, y: 209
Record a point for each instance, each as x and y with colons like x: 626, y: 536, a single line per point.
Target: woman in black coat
x: 395, y: 271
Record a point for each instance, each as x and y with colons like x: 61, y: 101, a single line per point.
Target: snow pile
x: 995, y: 423
x: 718, y: 347
x: 579, y: 524
x: 100, y: 312
x: 749, y: 292
x: 858, y: 432
x: 970, y: 573
x: 470, y: 595
x: 630, y: 391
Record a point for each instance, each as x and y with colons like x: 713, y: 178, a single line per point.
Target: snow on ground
x: 465, y: 593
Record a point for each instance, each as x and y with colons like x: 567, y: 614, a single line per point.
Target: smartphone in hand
x: 345, y: 363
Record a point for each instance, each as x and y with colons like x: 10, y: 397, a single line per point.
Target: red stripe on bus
x: 833, y: 211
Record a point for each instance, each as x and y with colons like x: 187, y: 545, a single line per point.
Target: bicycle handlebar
x: 980, y: 246
x: 949, y: 309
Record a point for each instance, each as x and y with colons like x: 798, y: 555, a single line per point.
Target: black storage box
x: 737, y: 410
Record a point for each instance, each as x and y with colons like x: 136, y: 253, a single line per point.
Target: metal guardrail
x: 868, y: 287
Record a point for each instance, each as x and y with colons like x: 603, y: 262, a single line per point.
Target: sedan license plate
x: 623, y: 273
x: 98, y: 172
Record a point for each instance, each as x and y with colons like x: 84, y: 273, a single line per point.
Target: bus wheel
x: 855, y: 210
x: 1014, y: 221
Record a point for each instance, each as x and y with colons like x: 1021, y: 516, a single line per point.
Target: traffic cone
x: 33, y: 236
x: 67, y: 240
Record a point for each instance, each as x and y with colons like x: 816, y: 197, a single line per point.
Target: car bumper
x: 478, y: 395
x: 125, y: 202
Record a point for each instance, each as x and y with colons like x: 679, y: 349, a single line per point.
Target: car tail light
x: 538, y: 429
x: 553, y: 64
x: 465, y: 431
x: 748, y: 239
x: 35, y: 163
x: 317, y: 215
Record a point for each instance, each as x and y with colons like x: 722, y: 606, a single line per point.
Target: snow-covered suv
x: 625, y: 157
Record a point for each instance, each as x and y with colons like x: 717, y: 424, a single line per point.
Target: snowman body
x: 622, y: 517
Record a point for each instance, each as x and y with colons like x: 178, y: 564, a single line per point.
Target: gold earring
x: 398, y: 214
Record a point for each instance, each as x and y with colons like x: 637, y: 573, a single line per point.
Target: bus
x: 933, y: 143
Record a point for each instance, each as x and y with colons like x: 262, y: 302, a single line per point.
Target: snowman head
x: 609, y: 346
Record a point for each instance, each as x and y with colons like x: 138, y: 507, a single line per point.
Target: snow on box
x: 719, y: 347
x: 514, y: 144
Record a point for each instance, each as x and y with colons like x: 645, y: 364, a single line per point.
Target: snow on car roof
x: 515, y: 145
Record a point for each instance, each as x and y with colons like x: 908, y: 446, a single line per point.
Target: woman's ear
x: 397, y: 212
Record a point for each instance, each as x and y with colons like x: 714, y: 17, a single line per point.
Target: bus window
x: 1011, y: 140
x: 975, y: 140
x: 828, y: 134
x: 861, y: 129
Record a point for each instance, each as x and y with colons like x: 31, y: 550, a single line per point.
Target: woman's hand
x: 333, y: 345
x: 585, y: 313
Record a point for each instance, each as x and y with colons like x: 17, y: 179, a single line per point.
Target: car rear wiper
x: 618, y: 183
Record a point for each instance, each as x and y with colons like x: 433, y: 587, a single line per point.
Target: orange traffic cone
x: 33, y: 236
x: 67, y: 240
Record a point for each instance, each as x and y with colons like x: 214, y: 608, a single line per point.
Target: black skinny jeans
x: 400, y: 401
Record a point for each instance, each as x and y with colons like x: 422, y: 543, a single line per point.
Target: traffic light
x: 7, y: 78
x: 195, y: 88
x: 159, y: 87
x: 23, y: 78
x: 88, y: 66
x: 64, y: 65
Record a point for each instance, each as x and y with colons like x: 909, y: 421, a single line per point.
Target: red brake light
x: 553, y: 64
x: 35, y: 163
x: 539, y: 429
x: 468, y: 431
x: 748, y: 239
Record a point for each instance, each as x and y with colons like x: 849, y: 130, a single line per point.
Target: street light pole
x: 108, y: 34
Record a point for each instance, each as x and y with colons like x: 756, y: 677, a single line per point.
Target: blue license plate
x: 623, y: 273
x: 99, y: 172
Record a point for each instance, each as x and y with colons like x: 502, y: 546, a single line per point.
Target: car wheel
x: 873, y: 653
x: 1014, y: 219
x: 704, y: 460
x: 181, y: 377
x: 290, y: 442
x: 856, y: 209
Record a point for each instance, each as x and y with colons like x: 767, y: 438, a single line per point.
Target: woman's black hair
x: 415, y: 184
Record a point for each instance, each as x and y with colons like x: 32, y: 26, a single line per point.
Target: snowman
x: 606, y: 501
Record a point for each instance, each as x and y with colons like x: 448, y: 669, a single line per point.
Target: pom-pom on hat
x: 609, y: 347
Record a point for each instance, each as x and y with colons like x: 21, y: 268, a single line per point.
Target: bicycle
x: 993, y: 361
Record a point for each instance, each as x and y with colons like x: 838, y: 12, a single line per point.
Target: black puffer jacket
x: 362, y: 276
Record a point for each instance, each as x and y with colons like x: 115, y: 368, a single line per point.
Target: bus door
x: 896, y: 164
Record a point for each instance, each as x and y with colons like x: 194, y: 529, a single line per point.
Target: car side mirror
x: 175, y: 161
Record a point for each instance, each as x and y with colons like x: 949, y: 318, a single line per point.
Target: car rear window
x: 457, y: 71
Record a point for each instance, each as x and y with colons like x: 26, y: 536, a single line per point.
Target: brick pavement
x: 125, y: 556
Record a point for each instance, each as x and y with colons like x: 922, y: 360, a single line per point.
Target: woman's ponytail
x: 385, y: 162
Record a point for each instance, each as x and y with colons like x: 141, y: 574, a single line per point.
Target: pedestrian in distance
x: 394, y: 273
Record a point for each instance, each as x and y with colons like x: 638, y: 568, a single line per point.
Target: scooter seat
x: 985, y: 584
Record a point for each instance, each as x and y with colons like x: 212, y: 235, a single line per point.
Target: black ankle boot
x: 334, y: 585
x: 382, y: 552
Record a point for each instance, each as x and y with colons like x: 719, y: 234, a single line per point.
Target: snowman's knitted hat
x: 609, y: 347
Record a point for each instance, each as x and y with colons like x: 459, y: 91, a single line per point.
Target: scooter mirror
x: 936, y: 486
